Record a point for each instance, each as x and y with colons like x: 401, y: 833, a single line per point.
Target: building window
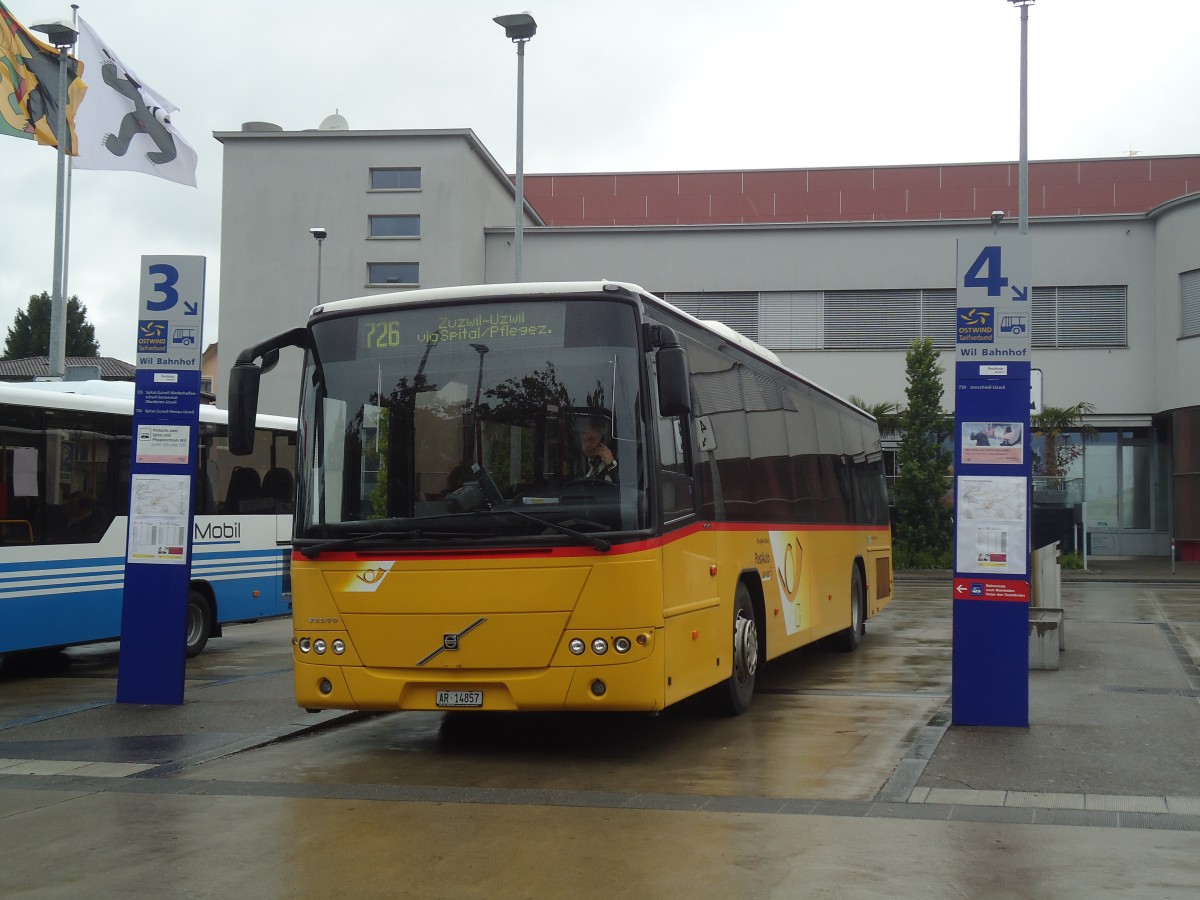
x: 393, y: 273
x: 888, y: 319
x: 1063, y: 317
x: 408, y: 179
x: 737, y: 309
x: 1066, y: 318
x: 1189, y: 303
x: 394, y: 226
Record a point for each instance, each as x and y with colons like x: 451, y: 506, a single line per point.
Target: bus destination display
x: 531, y: 324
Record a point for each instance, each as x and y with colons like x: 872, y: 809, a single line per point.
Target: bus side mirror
x: 243, y: 386
x: 674, y: 391
x: 243, y: 406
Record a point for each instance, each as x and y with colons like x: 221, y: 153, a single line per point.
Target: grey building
x: 837, y: 271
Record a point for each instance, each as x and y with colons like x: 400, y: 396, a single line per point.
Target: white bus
x: 65, y: 451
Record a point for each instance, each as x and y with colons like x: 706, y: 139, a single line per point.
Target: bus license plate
x: 458, y: 699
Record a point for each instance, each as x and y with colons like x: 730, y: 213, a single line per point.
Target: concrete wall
x: 879, y: 256
x: 1177, y: 250
x: 277, y: 185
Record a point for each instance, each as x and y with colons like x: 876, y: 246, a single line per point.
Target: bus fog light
x: 577, y: 646
x: 339, y: 647
x: 622, y: 645
x: 319, y: 645
x: 325, y: 686
x: 598, y: 688
x: 599, y: 646
x: 305, y: 645
x: 643, y: 640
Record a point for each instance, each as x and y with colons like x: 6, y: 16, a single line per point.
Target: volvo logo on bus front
x: 452, y: 641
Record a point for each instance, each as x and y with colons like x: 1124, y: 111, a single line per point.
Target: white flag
x: 123, y: 123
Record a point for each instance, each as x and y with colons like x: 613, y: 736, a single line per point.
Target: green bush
x: 1071, y: 561
x: 903, y: 558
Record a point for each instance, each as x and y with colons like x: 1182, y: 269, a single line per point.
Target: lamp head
x: 60, y: 32
x: 319, y: 233
x: 997, y: 216
x: 517, y: 26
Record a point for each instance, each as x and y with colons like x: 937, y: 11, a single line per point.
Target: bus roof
x: 468, y: 291
x: 114, y: 397
x: 560, y: 288
x: 525, y: 289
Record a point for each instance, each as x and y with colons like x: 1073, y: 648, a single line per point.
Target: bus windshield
x: 471, y: 423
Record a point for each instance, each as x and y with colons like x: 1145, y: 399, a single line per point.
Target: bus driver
x: 600, y: 461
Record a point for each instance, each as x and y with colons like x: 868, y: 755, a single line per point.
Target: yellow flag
x: 29, y: 73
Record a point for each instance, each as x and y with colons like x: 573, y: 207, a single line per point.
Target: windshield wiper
x: 488, y: 497
x: 598, y: 542
x: 313, y: 550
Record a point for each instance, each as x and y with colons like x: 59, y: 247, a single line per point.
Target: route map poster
x: 158, y: 519
x: 991, y: 533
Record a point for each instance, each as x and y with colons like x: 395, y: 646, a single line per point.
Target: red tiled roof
x: 31, y: 367
x: 1133, y: 184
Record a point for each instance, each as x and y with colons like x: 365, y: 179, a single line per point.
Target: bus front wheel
x: 848, y: 640
x: 732, y: 697
x: 199, y: 623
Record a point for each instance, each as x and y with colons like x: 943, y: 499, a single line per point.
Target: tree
x: 923, y: 516
x: 29, y: 334
x: 889, y: 415
x: 1058, y: 451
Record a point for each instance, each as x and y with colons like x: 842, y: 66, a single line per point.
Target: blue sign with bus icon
x: 1013, y: 324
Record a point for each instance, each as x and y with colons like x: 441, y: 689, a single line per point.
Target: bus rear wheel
x: 199, y: 623
x: 848, y: 640
x: 732, y: 697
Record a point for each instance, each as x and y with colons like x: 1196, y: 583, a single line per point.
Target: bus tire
x: 848, y: 640
x: 199, y: 623
x: 732, y: 697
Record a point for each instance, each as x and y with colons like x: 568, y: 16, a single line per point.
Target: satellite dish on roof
x: 334, y: 123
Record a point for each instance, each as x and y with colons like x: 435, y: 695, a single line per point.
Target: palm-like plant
x: 1053, y: 423
x: 888, y: 414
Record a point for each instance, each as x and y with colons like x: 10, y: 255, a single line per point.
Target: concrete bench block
x: 1047, y: 637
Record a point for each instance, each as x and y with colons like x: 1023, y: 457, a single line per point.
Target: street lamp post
x: 1023, y: 164
x: 519, y: 28
x: 320, y: 233
x: 63, y: 36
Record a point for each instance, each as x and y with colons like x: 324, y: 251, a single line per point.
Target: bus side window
x: 677, y: 497
x: 277, y: 487
x: 244, y: 488
x: 675, y: 476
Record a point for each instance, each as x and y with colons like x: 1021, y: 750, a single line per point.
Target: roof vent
x: 334, y: 123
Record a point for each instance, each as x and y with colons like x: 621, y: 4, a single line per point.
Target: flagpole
x: 66, y: 260
x: 63, y: 37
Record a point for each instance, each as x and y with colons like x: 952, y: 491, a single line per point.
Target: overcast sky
x: 625, y: 85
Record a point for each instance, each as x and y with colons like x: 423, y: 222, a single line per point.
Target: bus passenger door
x: 691, y: 599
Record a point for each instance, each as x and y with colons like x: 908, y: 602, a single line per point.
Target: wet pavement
x: 845, y: 778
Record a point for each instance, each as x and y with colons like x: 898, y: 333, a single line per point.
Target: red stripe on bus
x: 571, y: 552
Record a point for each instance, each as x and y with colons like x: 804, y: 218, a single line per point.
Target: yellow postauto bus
x: 563, y: 496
